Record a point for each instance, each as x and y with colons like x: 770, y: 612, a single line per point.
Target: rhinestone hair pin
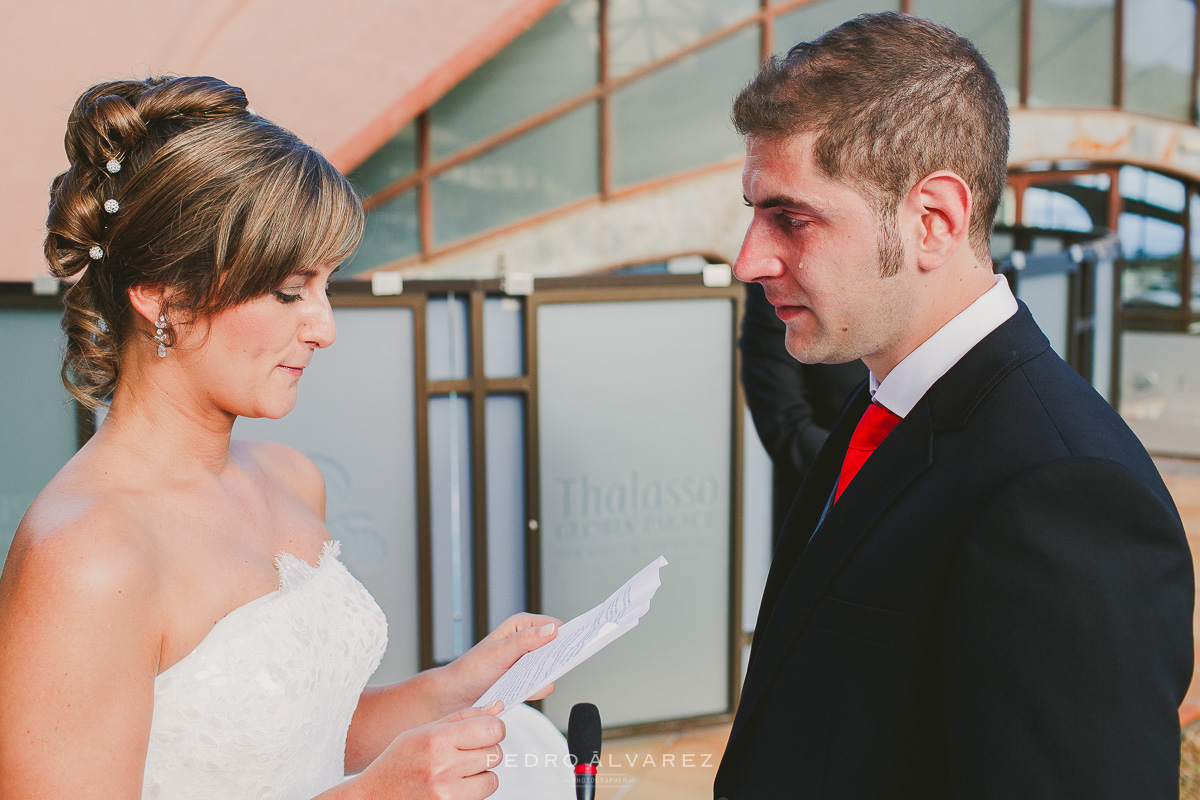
x: 112, y: 206
x: 97, y: 252
x: 113, y: 166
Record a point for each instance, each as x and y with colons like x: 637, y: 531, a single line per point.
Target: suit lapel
x: 901, y: 458
x: 809, y: 503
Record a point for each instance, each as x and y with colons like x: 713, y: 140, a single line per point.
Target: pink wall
x: 343, y: 75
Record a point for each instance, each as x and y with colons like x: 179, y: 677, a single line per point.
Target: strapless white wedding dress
x: 260, y: 709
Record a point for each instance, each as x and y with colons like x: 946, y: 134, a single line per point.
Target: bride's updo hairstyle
x: 173, y: 183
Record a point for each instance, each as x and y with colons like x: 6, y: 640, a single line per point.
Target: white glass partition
x: 506, y: 506
x: 37, y: 421
x: 635, y: 438
x: 1160, y: 391
x: 1049, y: 299
x: 355, y: 418
x: 758, y: 529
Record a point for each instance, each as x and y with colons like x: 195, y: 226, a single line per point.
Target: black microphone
x: 583, y: 740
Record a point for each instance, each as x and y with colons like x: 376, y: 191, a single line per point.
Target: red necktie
x: 876, y: 423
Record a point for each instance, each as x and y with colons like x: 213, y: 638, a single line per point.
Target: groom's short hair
x: 891, y: 98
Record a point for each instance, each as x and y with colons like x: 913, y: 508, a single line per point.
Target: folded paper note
x: 577, y: 640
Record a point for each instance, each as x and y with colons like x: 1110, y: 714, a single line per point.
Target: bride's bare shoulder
x: 77, y: 535
x: 289, y: 469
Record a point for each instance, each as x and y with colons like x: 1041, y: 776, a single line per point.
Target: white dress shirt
x: 911, y: 378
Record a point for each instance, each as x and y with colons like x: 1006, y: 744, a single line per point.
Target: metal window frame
x: 427, y: 169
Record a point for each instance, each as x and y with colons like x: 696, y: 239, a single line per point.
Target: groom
x: 983, y: 588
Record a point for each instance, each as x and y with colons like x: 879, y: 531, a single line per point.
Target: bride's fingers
x: 492, y: 709
x: 483, y: 758
x: 482, y: 785
x: 519, y: 622
x: 478, y: 732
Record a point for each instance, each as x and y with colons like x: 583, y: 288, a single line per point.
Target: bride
x: 174, y: 621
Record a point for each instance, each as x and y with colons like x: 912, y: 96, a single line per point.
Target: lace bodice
x: 261, y: 707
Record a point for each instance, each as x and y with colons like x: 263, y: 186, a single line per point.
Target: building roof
x: 344, y: 81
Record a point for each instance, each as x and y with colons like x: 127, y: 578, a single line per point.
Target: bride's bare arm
x: 79, y: 650
x: 385, y: 712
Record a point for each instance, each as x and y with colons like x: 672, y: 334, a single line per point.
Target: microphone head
x: 584, y: 734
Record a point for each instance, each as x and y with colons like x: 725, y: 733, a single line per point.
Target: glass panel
x: 641, y: 32
x: 1068, y: 203
x: 1072, y: 53
x: 1049, y: 299
x: 993, y: 26
x: 1159, y: 38
x: 390, y: 163
x: 1151, y: 231
x: 758, y: 529
x: 548, y: 167
x: 503, y: 338
x: 37, y: 426
x: 392, y: 232
x: 505, y: 506
x: 1151, y: 249
x: 1135, y: 183
x: 807, y: 23
x: 677, y: 118
x: 447, y: 345
x: 450, y: 525
x: 1160, y: 391
x: 556, y: 59
x: 1006, y: 211
x: 1102, y: 332
x: 1194, y: 224
x: 613, y: 497
x: 356, y: 418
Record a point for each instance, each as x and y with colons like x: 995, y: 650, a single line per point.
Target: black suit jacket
x: 793, y: 404
x: 999, y: 605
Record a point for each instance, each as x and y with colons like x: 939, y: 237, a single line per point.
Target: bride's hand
x: 474, y: 672
x: 444, y: 760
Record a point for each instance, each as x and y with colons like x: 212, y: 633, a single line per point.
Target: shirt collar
x: 911, y: 378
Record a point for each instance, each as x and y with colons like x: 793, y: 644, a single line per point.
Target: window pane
x: 1077, y: 203
x: 1154, y: 188
x: 555, y: 59
x: 1045, y: 208
x: 506, y: 518
x: 447, y: 350
x: 1158, y: 41
x: 993, y: 26
x: 395, y: 160
x: 1159, y: 376
x: 1151, y: 231
x: 811, y: 21
x: 37, y: 423
x: 450, y: 528
x: 1072, y: 53
x: 641, y: 32
x: 677, y: 118
x: 1194, y: 215
x: 504, y: 338
x: 547, y: 167
x: 1152, y: 250
x: 391, y: 233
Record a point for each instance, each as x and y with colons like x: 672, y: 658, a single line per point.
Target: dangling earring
x: 160, y: 335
